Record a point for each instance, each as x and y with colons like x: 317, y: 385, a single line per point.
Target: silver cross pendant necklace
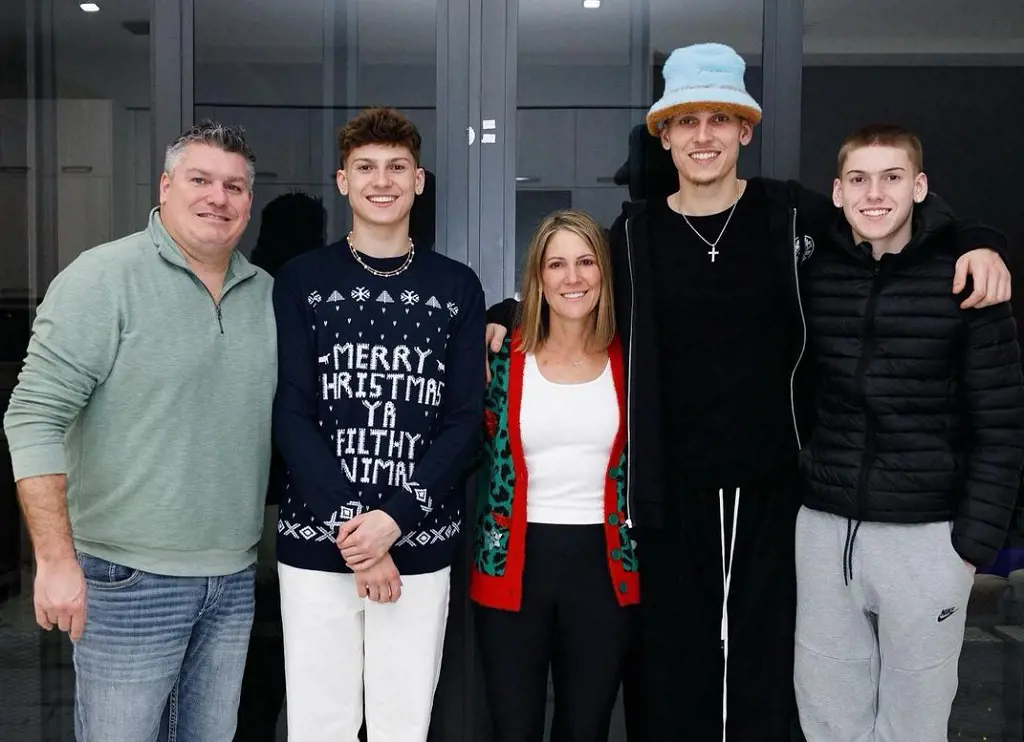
x: 713, y: 252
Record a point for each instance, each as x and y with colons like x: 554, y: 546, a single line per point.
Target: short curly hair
x: 379, y: 126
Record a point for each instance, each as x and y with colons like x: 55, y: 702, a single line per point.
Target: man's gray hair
x: 228, y: 138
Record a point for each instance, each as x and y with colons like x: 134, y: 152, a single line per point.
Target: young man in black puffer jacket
x: 913, y: 465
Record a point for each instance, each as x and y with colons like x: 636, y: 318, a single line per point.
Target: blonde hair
x: 533, y: 318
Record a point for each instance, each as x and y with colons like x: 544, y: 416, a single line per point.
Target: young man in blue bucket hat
x: 708, y: 306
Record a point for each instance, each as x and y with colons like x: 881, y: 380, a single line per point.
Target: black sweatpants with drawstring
x: 675, y: 691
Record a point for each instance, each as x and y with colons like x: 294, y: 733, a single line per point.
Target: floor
x: 37, y: 683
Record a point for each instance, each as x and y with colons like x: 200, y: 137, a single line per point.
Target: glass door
x: 292, y: 74
x: 577, y: 80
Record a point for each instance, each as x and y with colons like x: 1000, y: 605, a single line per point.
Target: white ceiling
x: 549, y: 31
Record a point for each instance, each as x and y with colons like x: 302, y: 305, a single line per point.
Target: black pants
x: 674, y: 683
x: 571, y: 622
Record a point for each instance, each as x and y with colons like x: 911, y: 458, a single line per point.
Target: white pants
x: 336, y: 644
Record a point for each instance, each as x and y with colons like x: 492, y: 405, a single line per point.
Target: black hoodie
x: 920, y: 404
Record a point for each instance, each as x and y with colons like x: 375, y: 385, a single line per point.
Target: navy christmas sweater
x: 379, y: 402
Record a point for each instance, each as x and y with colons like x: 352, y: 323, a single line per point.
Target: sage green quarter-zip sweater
x: 156, y: 403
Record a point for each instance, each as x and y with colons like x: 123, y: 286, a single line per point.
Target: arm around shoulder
x: 971, y: 233
x: 983, y: 255
x: 815, y: 210
x: 503, y: 313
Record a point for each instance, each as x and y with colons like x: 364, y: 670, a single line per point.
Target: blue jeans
x: 161, y: 657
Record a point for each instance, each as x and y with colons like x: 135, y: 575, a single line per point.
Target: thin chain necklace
x: 575, y: 363
x: 712, y: 252
x: 382, y: 274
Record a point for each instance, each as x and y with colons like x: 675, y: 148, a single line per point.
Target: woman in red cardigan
x: 554, y: 569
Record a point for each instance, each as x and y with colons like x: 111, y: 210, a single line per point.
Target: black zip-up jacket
x: 920, y: 404
x: 799, y: 219
x: 796, y: 217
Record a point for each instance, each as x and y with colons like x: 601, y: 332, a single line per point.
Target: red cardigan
x: 504, y: 590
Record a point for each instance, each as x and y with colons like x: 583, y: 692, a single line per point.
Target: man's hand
x: 991, y: 278
x: 495, y: 337
x: 970, y: 567
x: 381, y: 583
x: 365, y: 540
x: 60, y: 596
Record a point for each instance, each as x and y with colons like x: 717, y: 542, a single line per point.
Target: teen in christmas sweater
x: 378, y: 411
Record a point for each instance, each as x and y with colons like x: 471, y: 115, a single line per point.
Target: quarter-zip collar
x: 239, y: 269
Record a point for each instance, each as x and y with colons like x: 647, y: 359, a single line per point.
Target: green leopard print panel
x: 496, y: 476
x: 627, y: 555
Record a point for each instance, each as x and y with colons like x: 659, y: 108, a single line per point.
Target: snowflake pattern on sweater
x: 382, y: 350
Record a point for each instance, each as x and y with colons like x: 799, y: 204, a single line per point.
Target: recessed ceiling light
x: 89, y: 7
x: 591, y: 4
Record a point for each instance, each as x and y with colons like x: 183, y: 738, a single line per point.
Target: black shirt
x: 723, y: 347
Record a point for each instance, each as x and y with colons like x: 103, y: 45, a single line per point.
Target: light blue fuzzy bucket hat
x: 699, y: 77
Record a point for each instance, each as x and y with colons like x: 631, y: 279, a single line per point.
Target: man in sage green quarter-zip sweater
x: 140, y: 437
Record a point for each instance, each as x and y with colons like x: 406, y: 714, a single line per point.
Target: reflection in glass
x: 293, y: 79
x: 75, y: 172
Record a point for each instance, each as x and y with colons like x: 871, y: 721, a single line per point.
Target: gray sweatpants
x: 876, y: 659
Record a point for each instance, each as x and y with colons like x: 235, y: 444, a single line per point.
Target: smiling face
x: 380, y: 182
x: 877, y: 190
x: 206, y: 198
x: 705, y: 145
x: 570, y: 276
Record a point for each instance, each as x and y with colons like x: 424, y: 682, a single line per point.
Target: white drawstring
x: 726, y: 581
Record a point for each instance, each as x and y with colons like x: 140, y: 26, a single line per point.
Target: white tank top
x: 567, y: 432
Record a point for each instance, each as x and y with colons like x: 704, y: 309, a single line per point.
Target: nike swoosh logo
x: 946, y: 614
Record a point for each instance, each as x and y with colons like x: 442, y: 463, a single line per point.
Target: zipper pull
x: 220, y: 320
